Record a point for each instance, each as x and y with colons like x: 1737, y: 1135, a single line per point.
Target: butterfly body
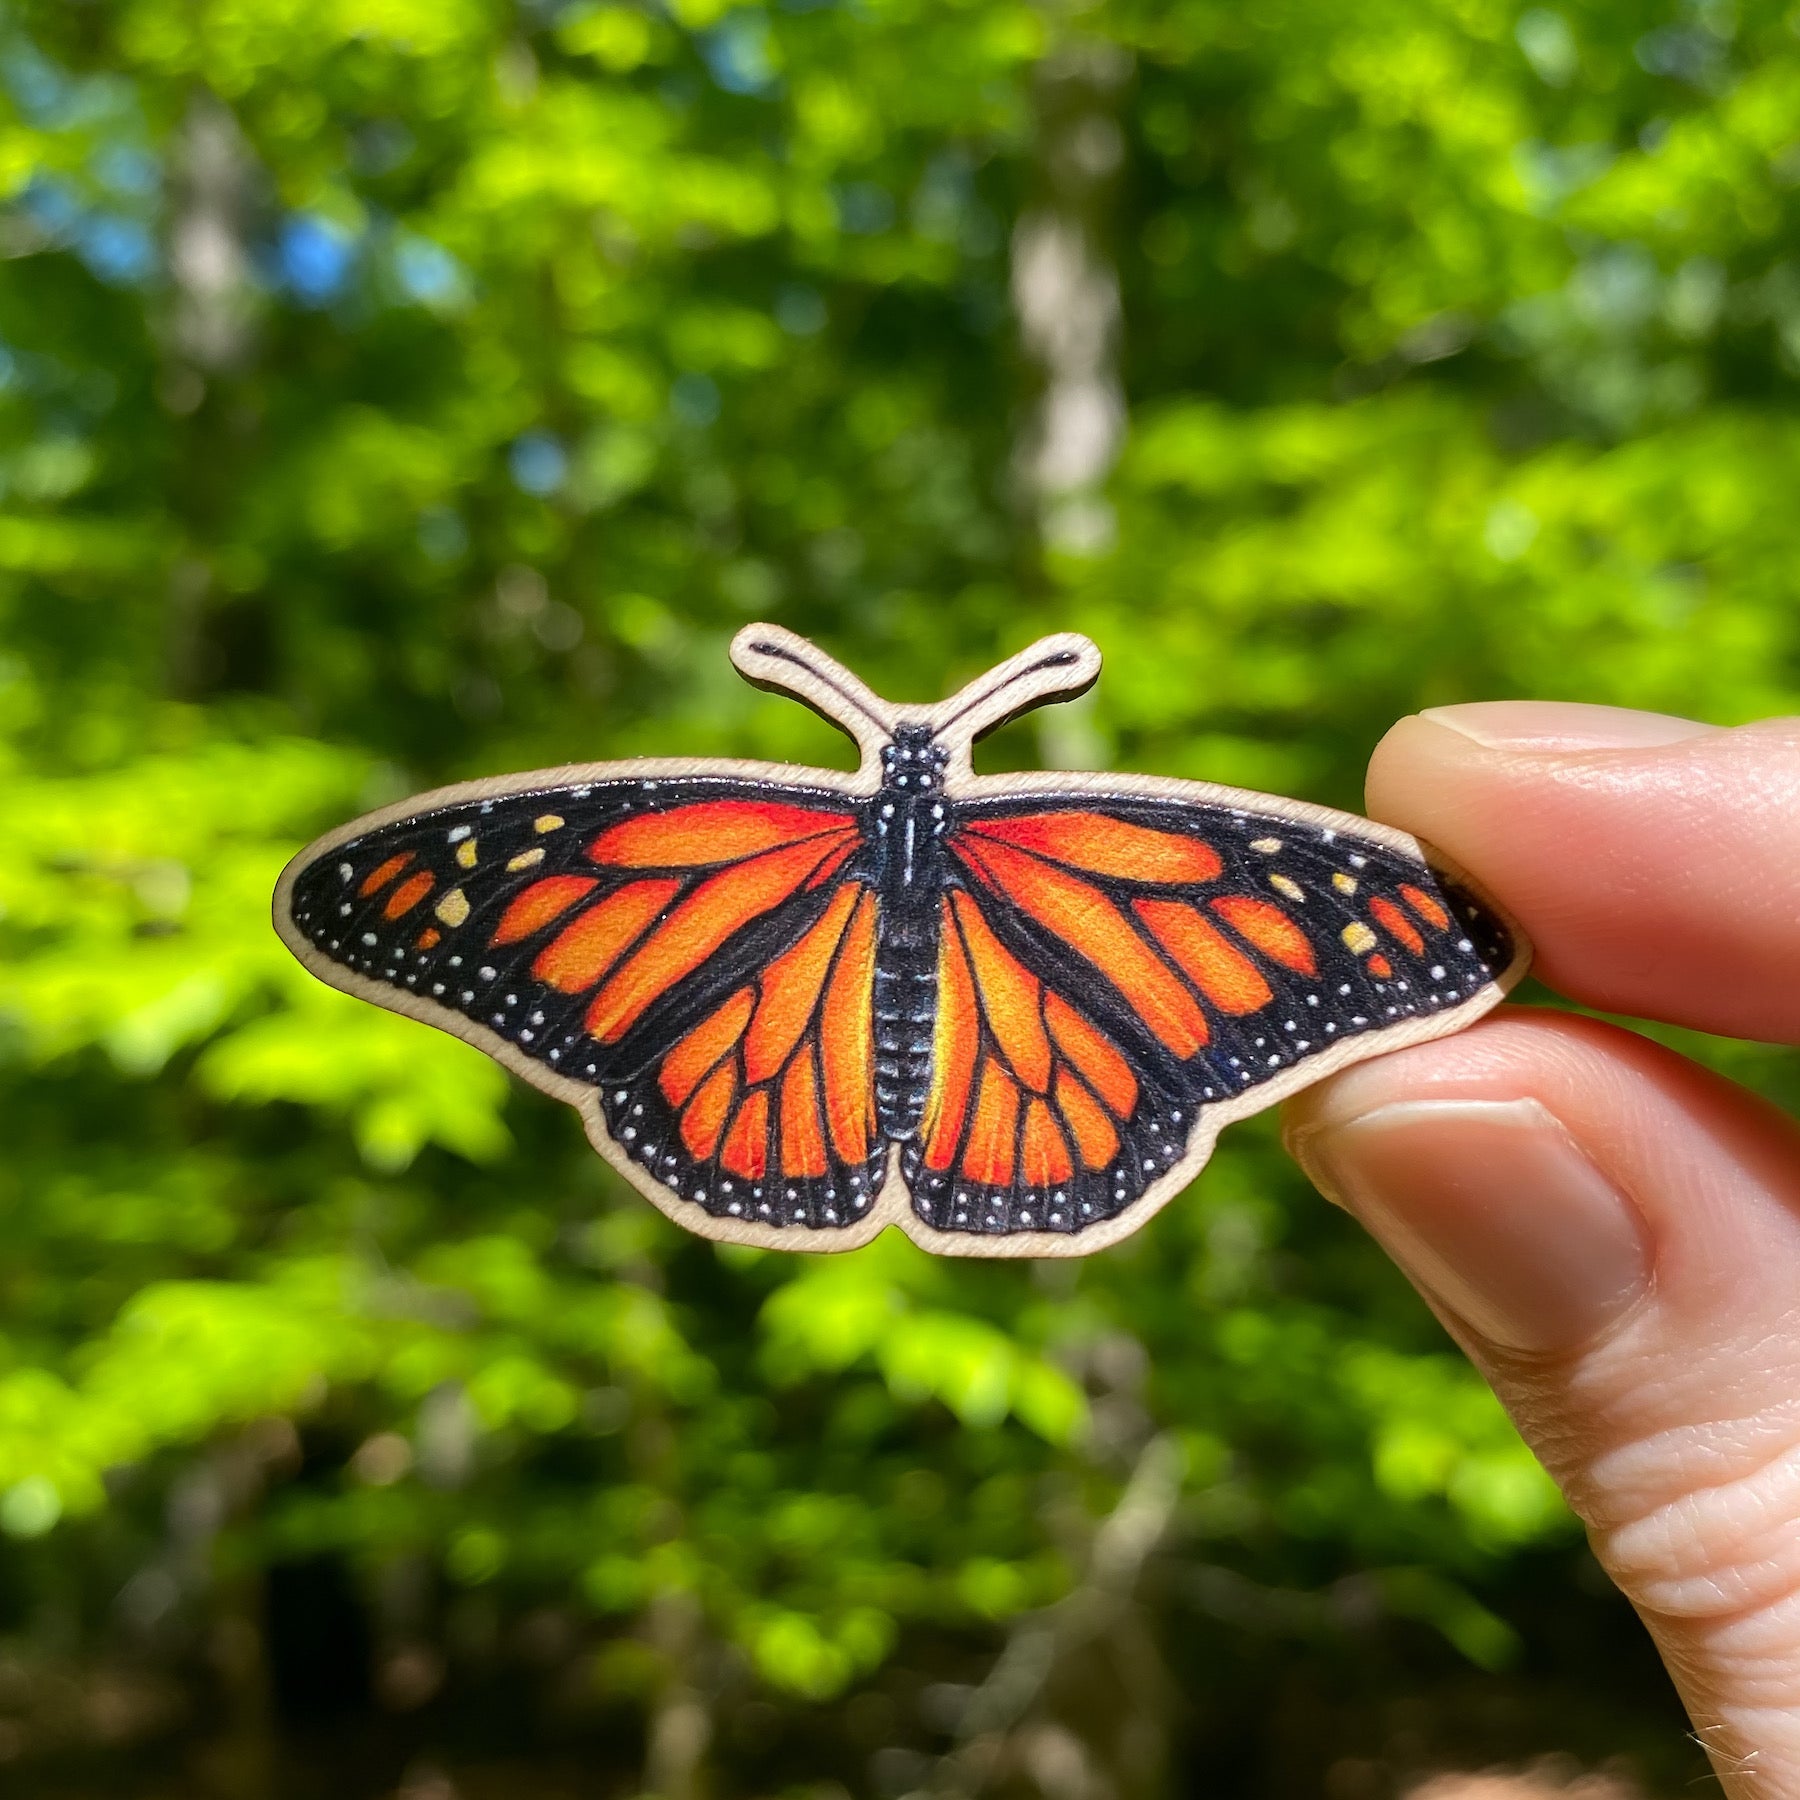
x: 905, y: 825
x: 1007, y: 1014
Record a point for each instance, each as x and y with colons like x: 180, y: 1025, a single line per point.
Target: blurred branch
x: 208, y: 257
x: 1125, y: 1540
x: 680, y: 1725
x: 1065, y: 292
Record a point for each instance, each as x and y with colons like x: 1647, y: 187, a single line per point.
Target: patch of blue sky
x: 738, y: 54
x: 41, y: 90
x: 120, y: 251
x: 539, y: 463
x: 54, y: 99
x: 53, y: 206
x: 314, y: 258
x: 126, y: 169
x: 427, y: 272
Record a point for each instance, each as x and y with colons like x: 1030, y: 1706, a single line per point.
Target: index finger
x: 1653, y: 861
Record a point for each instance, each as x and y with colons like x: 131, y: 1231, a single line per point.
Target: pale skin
x: 1611, y: 1232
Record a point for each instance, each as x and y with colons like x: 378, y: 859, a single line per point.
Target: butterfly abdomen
x: 907, y: 824
x: 905, y: 1009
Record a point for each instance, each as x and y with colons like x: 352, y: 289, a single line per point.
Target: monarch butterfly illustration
x: 1008, y: 1014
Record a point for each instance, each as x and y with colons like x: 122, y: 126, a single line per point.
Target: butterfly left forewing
x: 602, y: 938
x: 1225, y: 950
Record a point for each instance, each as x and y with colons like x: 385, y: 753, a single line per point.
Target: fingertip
x: 1646, y: 857
x: 1426, y: 757
x: 1561, y: 725
x: 1420, y: 771
x: 1677, y: 1140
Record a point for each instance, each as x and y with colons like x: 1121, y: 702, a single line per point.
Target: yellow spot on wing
x: 1345, y: 884
x: 549, y: 822
x: 1268, y: 846
x: 465, y: 853
x: 526, y: 859
x: 1358, y: 938
x: 453, y: 908
x: 1282, y: 885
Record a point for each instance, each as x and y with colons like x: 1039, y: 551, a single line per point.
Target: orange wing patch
x: 1094, y: 1135
x: 1011, y: 997
x: 746, y: 1147
x: 988, y: 1155
x: 1266, y: 926
x: 847, y: 1039
x: 716, y: 910
x: 956, y: 1038
x: 790, y: 990
x: 1425, y: 906
x: 707, y: 1112
x: 539, y: 905
x: 1397, y: 925
x: 1106, y: 846
x: 710, y: 831
x: 378, y: 878
x: 708, y: 1044
x: 802, y: 1130
x: 1222, y: 972
x: 583, y: 951
x: 1043, y: 1150
x: 1090, y: 924
x: 781, y: 1077
x: 1091, y: 1053
x: 1023, y: 1086
x: 408, y: 894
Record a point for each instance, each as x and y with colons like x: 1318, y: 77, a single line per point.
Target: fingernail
x: 1561, y: 725
x: 1493, y: 1211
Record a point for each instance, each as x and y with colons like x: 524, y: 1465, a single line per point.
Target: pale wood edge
x: 893, y: 1205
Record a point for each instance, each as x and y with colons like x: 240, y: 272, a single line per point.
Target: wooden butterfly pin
x: 1009, y: 1014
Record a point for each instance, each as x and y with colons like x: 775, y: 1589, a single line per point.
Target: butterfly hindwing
x: 698, y: 952
x: 763, y: 1109
x: 1203, y: 949
x: 1037, y: 1120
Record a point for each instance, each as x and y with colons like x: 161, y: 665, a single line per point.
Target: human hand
x: 1611, y: 1232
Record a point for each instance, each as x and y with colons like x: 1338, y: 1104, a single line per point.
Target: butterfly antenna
x: 1061, y: 659
x: 780, y: 653
x: 771, y: 657
x: 1055, y: 668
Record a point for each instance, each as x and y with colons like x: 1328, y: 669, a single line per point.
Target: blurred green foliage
x: 394, y: 391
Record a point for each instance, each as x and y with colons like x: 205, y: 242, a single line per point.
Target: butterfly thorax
x: 907, y: 823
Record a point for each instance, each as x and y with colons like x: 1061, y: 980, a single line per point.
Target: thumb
x: 1613, y: 1234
